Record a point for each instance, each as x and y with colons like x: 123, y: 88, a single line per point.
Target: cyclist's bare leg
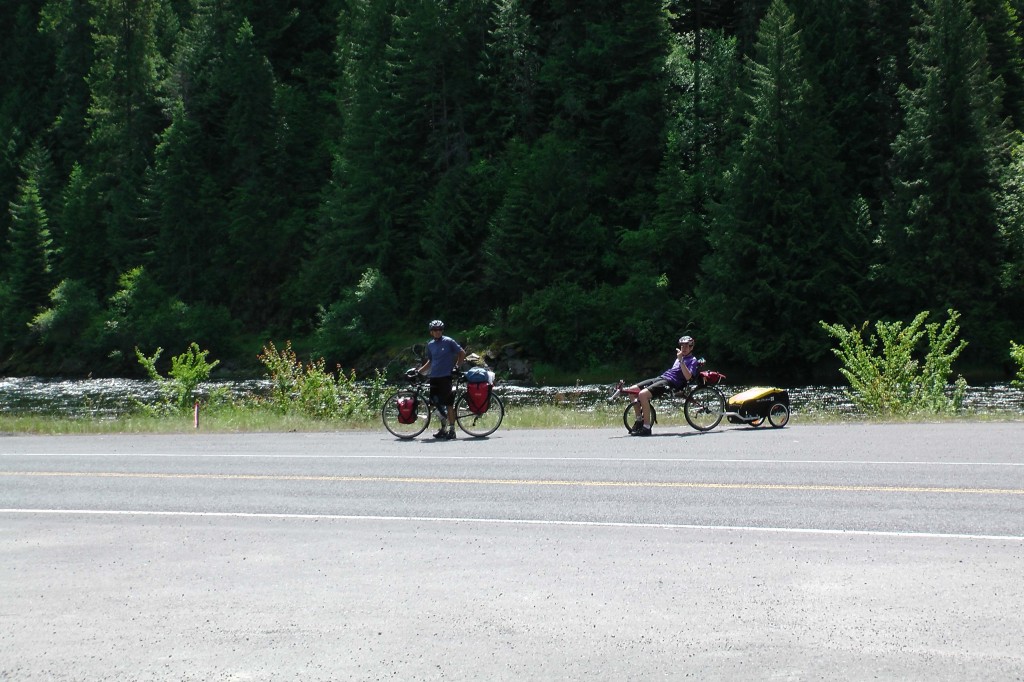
x: 644, y: 398
x: 451, y: 412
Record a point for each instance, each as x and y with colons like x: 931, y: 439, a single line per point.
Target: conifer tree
x: 783, y: 239
x: 357, y: 213
x: 941, y: 249
x: 67, y: 25
x: 704, y: 76
x: 81, y: 233
x: 511, y: 68
x: 1011, y: 227
x: 26, y: 66
x: 1004, y: 34
x: 186, y: 205
x: 856, y: 52
x: 123, y: 121
x: 28, y: 272
x: 591, y: 178
x: 259, y: 245
x: 445, y: 52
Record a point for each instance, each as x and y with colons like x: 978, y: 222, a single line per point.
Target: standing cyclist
x: 444, y: 354
x: 675, y: 377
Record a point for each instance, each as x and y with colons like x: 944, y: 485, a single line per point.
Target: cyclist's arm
x: 687, y: 372
x: 683, y: 368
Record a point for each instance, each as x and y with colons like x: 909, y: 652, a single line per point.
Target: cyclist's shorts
x: 658, y: 387
x: 441, y: 390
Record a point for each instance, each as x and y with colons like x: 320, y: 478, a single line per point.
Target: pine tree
x: 941, y: 249
x: 124, y: 119
x: 1004, y: 34
x: 704, y: 76
x: 783, y: 238
x: 357, y: 213
x: 1011, y: 228
x: 81, y: 233
x: 188, y: 200
x: 512, y: 65
x: 856, y: 51
x: 67, y: 24
x: 26, y: 66
x: 28, y: 275
x: 260, y: 244
x: 590, y: 179
x: 186, y: 206
x: 443, y: 74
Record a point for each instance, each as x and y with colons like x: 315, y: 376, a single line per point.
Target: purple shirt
x: 675, y: 375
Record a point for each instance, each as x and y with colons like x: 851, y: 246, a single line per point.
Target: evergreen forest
x: 587, y: 180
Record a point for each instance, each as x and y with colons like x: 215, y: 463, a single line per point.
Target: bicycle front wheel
x: 630, y: 420
x: 418, y: 418
x: 479, y: 425
x: 704, y: 408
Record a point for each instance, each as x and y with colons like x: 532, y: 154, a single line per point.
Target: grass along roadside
x: 247, y: 418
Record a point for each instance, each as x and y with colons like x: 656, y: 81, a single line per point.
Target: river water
x: 106, y: 398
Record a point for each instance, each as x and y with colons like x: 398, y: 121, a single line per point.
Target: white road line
x: 523, y: 522
x: 427, y: 458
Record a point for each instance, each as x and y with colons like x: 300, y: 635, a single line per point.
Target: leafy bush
x: 1017, y: 354
x: 888, y: 380
x: 188, y: 370
x: 141, y: 313
x: 349, y: 326
x: 68, y: 324
x: 313, y: 391
x: 575, y: 327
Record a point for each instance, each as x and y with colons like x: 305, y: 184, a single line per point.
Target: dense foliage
x: 887, y: 379
x: 589, y: 180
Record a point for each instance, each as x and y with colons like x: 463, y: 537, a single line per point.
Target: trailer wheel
x: 778, y: 416
x: 756, y: 422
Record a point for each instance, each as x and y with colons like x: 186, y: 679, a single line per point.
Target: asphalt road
x: 804, y: 553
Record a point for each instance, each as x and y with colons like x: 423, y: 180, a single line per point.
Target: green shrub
x: 188, y: 370
x: 886, y: 379
x: 71, y: 328
x: 1017, y: 355
x: 576, y: 327
x: 350, y: 326
x: 313, y: 391
x: 141, y: 313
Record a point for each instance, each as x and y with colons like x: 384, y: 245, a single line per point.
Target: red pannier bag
x: 478, y: 396
x: 406, y: 409
x: 711, y: 378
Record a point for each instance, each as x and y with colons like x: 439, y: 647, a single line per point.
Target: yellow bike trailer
x: 756, y: 404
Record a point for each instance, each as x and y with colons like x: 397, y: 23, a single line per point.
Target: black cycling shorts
x: 441, y: 391
x: 658, y: 386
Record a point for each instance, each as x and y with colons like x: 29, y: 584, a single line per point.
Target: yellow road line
x: 528, y: 482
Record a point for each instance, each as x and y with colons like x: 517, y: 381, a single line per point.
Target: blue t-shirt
x: 675, y: 375
x: 442, y: 353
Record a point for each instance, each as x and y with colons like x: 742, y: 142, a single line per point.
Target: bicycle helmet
x: 436, y: 324
x: 687, y: 340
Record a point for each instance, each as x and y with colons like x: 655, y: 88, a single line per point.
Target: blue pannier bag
x: 477, y: 375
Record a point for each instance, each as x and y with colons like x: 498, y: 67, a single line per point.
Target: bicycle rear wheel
x: 704, y: 408
x: 479, y: 425
x: 420, y: 417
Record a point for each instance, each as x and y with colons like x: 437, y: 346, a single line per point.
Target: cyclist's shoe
x: 450, y: 435
x: 443, y: 433
x: 637, y: 425
x: 642, y: 431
